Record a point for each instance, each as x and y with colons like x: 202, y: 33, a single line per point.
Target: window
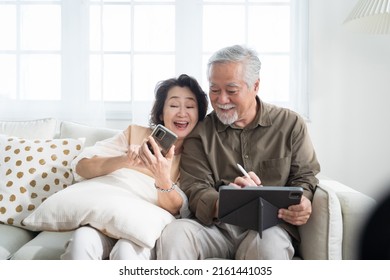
x: 77, y: 59
x: 36, y: 46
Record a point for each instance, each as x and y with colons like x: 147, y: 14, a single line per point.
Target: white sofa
x: 331, y: 233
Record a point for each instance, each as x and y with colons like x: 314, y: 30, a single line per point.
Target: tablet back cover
x: 255, y: 207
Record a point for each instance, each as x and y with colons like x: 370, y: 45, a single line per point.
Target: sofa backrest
x: 31, y: 129
x: 91, y: 134
x: 50, y: 128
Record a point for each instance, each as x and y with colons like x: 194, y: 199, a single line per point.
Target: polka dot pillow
x: 30, y: 172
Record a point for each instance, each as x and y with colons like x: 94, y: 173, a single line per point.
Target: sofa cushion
x: 117, y: 210
x: 45, y: 246
x: 11, y: 239
x: 321, y: 236
x: 33, y: 129
x: 89, y: 133
x: 31, y: 171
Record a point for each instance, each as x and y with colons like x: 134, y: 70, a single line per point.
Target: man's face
x: 230, y: 96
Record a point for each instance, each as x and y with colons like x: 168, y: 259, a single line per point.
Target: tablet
x: 255, y: 207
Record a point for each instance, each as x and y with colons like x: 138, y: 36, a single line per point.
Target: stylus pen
x: 243, y: 170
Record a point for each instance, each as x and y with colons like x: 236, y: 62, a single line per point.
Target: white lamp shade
x: 370, y: 16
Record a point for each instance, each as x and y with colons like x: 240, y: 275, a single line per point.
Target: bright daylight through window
x: 78, y: 60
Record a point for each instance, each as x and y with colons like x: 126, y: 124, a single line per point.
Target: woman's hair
x: 241, y: 54
x: 161, y: 93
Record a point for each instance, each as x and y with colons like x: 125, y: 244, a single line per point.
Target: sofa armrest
x: 332, y: 232
x: 355, y: 208
x: 321, y: 236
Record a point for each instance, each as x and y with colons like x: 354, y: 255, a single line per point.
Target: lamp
x: 370, y: 16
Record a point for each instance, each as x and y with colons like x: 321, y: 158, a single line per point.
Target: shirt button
x: 246, y: 156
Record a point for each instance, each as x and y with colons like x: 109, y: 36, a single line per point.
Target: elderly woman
x: 180, y: 103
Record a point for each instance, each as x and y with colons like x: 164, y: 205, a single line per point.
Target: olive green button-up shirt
x: 276, y: 146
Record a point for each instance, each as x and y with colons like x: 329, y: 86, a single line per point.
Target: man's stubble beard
x: 227, y: 119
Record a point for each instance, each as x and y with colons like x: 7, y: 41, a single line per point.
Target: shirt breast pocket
x: 275, y: 172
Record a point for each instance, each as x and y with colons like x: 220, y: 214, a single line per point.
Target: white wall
x: 349, y: 88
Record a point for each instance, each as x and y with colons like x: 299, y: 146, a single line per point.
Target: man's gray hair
x: 238, y: 53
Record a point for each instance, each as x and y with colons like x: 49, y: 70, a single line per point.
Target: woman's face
x: 180, y: 113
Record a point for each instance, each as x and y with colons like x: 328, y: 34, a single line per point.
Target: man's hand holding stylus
x: 249, y: 179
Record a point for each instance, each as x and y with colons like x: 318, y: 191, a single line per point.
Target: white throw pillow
x: 109, y: 204
x: 30, y: 172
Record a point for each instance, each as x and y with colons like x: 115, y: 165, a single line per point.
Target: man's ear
x: 257, y: 85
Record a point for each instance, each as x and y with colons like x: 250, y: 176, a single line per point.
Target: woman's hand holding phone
x: 157, y: 163
x: 164, y: 138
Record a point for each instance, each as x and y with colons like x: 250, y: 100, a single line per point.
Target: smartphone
x: 164, y: 138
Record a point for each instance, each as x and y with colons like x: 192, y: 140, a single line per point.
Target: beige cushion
x: 31, y: 171
x: 355, y: 207
x: 321, y: 237
x: 115, y: 209
x: 33, y: 129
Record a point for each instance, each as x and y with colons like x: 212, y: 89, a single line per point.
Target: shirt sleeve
x: 304, y: 164
x: 197, y: 180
